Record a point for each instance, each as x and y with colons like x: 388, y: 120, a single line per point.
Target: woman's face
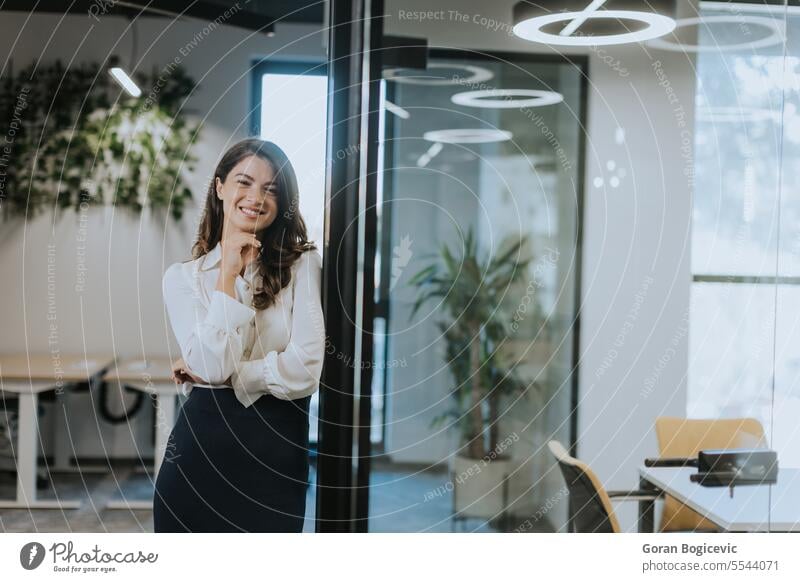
x: 249, y: 195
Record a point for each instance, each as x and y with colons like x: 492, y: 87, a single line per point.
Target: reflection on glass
x: 737, y: 148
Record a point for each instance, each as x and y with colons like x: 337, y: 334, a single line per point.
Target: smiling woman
x: 255, y: 186
x: 248, y: 318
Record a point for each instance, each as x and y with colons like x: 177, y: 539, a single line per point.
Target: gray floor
x: 398, y: 503
x: 94, y: 490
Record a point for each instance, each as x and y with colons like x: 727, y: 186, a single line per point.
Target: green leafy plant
x: 73, y: 137
x: 470, y: 289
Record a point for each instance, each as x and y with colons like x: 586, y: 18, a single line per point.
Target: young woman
x: 246, y: 313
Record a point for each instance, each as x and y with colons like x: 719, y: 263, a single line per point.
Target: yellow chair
x: 590, y: 509
x: 684, y: 437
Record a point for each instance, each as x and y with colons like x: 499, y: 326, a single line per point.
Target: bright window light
x: 294, y: 115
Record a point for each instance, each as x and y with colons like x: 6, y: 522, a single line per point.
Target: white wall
x: 120, y: 309
x: 636, y: 265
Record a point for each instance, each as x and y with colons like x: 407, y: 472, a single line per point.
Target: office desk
x: 154, y: 377
x: 27, y: 376
x: 753, y: 508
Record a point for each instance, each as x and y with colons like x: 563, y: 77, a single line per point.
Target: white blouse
x: 278, y: 350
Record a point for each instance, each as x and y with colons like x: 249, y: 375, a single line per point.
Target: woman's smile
x: 251, y: 211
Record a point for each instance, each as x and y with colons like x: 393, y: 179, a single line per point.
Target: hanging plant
x: 74, y: 137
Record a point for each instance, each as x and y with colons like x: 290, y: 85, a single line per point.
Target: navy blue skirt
x: 231, y: 468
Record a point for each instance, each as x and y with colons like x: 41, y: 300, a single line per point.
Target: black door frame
x: 355, y: 30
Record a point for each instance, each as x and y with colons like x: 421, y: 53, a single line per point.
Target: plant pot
x: 480, y: 486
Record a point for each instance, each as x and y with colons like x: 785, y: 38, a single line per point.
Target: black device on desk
x: 727, y: 467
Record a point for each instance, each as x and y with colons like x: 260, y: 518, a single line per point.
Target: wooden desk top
x: 139, y: 371
x: 45, y: 367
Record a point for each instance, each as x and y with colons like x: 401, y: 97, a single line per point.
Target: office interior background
x: 621, y: 218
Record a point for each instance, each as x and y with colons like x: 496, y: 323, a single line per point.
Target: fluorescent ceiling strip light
x: 576, y: 22
x: 396, y: 109
x: 126, y: 82
x: 432, y: 152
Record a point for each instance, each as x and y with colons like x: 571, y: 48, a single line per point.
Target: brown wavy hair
x: 283, y: 241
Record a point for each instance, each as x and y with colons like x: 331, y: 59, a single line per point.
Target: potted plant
x: 475, y: 327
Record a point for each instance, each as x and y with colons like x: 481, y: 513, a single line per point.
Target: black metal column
x: 342, y: 462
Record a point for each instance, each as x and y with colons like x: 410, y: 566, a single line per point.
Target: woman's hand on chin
x: 238, y: 250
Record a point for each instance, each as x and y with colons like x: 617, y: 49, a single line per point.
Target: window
x: 291, y: 110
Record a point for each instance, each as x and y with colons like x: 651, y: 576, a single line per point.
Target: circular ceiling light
x: 535, y: 98
x: 476, y: 75
x: 478, y: 135
x: 774, y: 37
x: 584, y: 24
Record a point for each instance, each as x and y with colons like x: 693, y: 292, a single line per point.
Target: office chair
x: 684, y: 437
x: 590, y: 509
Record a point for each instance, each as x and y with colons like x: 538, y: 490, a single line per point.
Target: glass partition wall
x: 744, y: 317
x: 589, y: 245
x: 477, y: 288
